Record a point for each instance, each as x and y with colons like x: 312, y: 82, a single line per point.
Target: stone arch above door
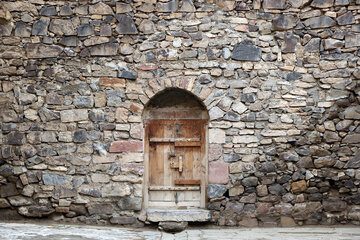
x: 175, y: 144
x: 175, y: 103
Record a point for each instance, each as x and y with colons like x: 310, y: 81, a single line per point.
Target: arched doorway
x: 175, y: 151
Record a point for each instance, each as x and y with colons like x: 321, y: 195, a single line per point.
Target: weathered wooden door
x: 177, y: 169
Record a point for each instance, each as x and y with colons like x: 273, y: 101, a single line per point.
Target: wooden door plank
x: 187, y: 182
x: 171, y: 188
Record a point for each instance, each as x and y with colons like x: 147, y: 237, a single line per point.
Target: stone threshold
x: 178, y: 215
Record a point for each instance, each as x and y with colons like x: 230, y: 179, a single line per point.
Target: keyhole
x: 177, y: 128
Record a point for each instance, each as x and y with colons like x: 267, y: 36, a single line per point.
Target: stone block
x: 8, y: 190
x: 190, y: 215
x: 299, y: 186
x: 117, y: 189
x: 171, y: 6
x: 215, y: 190
x: 53, y: 179
x: 126, y: 24
x: 246, y: 51
x: 123, y: 220
x: 334, y: 205
x: 15, y: 138
x: 130, y: 203
x: 284, y: 22
x: 322, y: 3
x: 62, y: 27
x: 322, y: 162
x: 35, y: 211
x: 112, y: 82
x: 100, y: 9
x: 38, y: 50
x: 126, y: 146
x: 215, y: 152
x: 74, y: 115
x: 353, y: 138
x: 245, y: 139
x: 100, y: 208
x: 105, y: 49
x: 320, y: 22
x: 218, y: 173
x: 216, y: 136
x: 287, y: 221
x: 274, y: 4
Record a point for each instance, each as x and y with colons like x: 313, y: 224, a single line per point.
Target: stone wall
x: 280, y: 79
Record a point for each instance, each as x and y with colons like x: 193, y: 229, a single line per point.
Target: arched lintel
x: 175, y: 103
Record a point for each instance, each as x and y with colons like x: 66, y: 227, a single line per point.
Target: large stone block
x: 322, y: 3
x: 352, y: 138
x: 218, y: 173
x: 74, y: 115
x: 55, y: 179
x: 39, y: 50
x: 105, y: 49
x: 320, y: 22
x: 284, y: 22
x: 130, y: 203
x: 126, y: 24
x: 100, y: 208
x: 216, y: 136
x: 171, y: 6
x: 215, y: 190
x: 117, y: 189
x: 246, y: 51
x: 126, y: 146
x: 274, y: 4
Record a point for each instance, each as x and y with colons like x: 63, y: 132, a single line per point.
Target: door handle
x: 180, y: 163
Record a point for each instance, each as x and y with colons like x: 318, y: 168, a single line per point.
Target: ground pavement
x: 31, y: 231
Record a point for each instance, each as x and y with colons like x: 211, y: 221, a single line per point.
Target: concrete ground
x: 31, y: 231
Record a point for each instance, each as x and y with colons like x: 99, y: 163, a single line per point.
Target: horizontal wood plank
x: 187, y: 144
x: 175, y: 140
x: 187, y: 182
x: 170, y: 188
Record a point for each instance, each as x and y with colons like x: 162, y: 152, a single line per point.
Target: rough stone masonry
x: 280, y: 79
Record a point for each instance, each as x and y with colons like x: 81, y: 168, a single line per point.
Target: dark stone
x: 48, y: 11
x: 22, y: 30
x: 63, y: 192
x: 114, y: 98
x: 214, y: 206
x: 334, y: 205
x: 122, y: 220
x: 277, y: 189
x: 171, y: 6
x: 354, y: 162
x: 284, y: 22
x: 78, y: 209
x: 83, y: 101
x: 215, y: 191
x: 319, y: 22
x: 250, y: 182
x: 127, y: 75
x: 8, y: 190
x: 289, y: 44
x: 173, y: 227
x: 196, y: 36
x: 126, y: 24
x: 246, y: 51
x: 313, y: 45
x: 85, y: 30
x: 48, y: 115
x: 80, y: 136
x: 6, y: 152
x: 283, y: 179
x: 9, y: 214
x: 6, y: 170
x: 232, y: 158
x: 66, y: 11
x: 231, y: 116
x: 322, y: 3
x: 69, y: 41
x: 130, y: 203
x: 54, y: 179
x: 100, y: 208
x: 250, y: 117
x: 15, y: 138
x: 289, y: 156
x: 346, y: 19
x: 204, y: 79
x: 268, y: 167
x: 33, y: 161
x: 274, y: 4
x: 335, y: 56
x: 36, y: 211
x: 97, y: 115
x: 293, y: 76
x: 248, y: 98
x: 90, y: 192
